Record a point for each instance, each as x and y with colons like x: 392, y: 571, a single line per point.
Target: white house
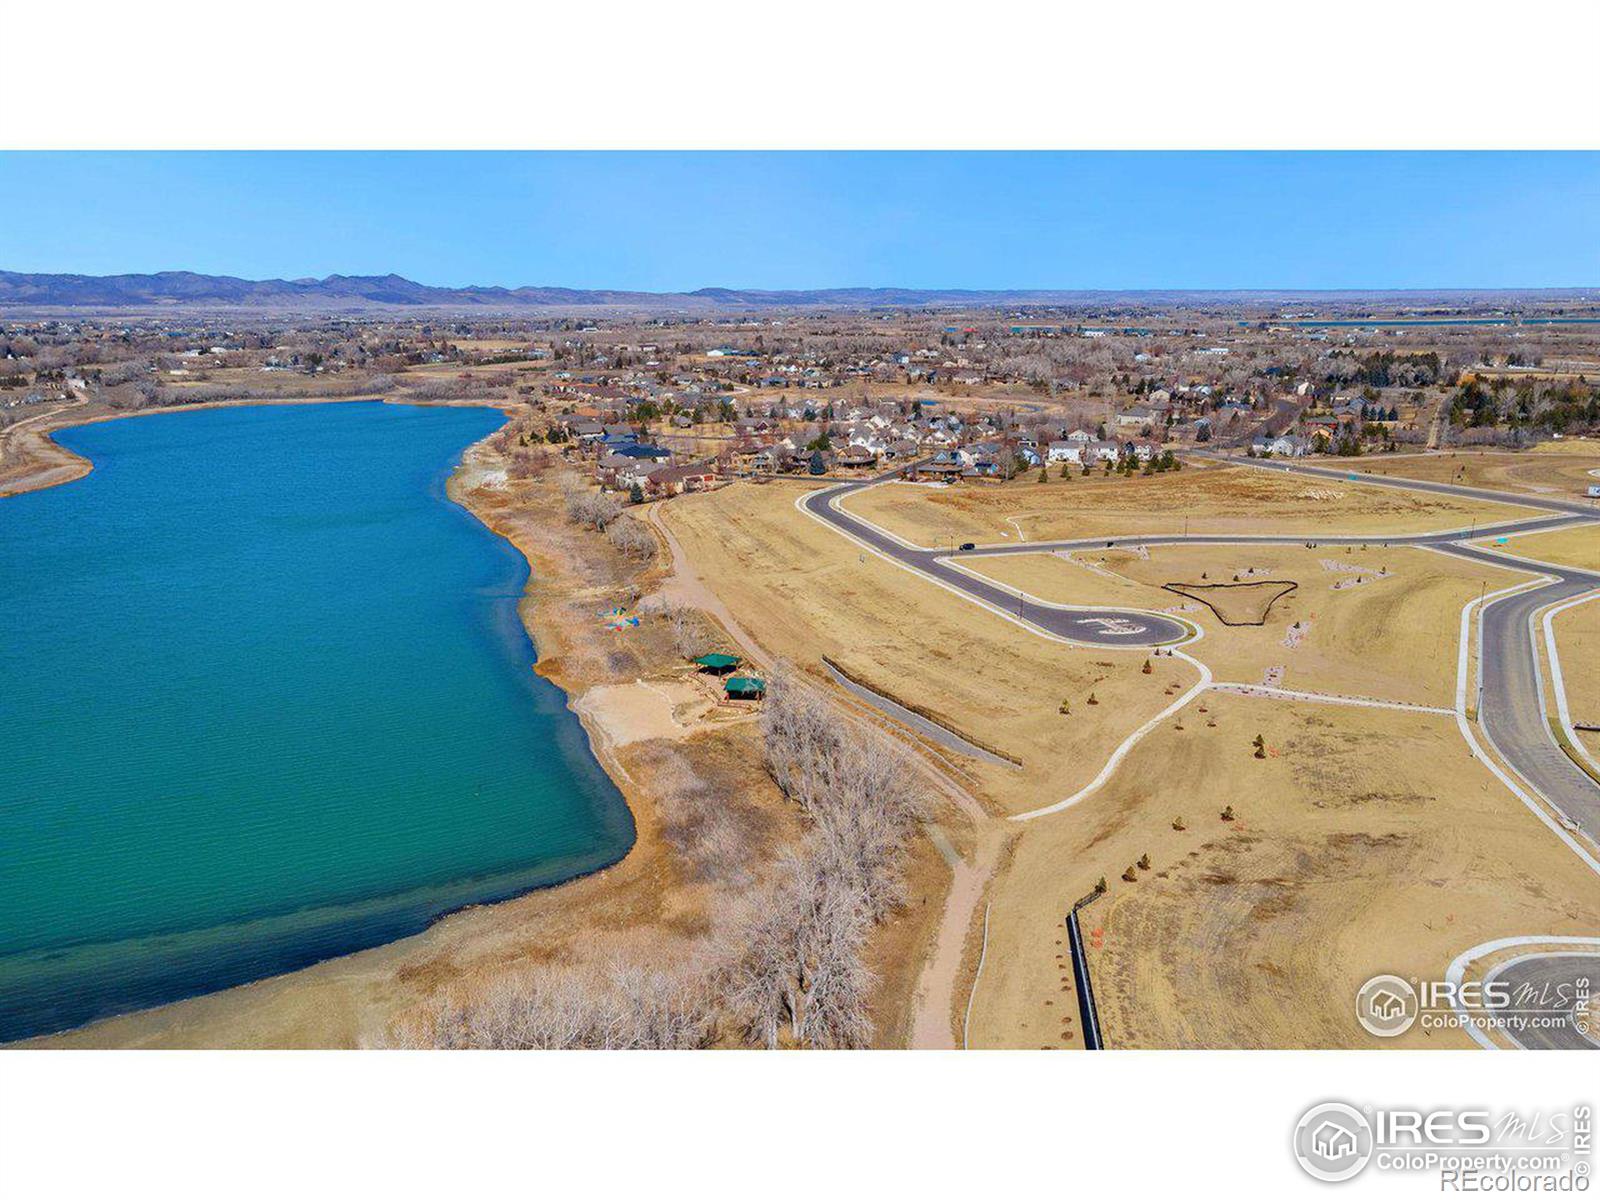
x: 1283, y: 446
x: 1065, y: 451
x: 1103, y: 451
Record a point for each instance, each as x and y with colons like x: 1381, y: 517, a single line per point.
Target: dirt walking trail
x: 51, y: 464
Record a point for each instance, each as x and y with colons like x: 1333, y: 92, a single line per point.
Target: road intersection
x: 1509, y: 704
x: 1510, y: 707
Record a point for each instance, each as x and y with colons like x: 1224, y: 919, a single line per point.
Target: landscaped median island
x: 1369, y: 621
x: 1577, y: 637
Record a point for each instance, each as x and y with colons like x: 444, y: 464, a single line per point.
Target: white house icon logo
x: 1386, y: 1006
x: 1333, y: 1141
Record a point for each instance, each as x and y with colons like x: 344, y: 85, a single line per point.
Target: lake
x: 265, y: 698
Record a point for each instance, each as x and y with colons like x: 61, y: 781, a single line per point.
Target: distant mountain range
x: 354, y: 293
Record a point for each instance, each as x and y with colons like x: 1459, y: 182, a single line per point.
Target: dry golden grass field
x: 199, y: 377
x: 1375, y: 622
x: 1365, y: 841
x: 803, y: 591
x: 1577, y: 633
x: 1576, y: 546
x: 1551, y: 468
x: 1215, y: 499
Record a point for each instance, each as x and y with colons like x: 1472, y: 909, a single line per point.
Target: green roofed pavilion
x: 745, y: 687
x: 717, y: 663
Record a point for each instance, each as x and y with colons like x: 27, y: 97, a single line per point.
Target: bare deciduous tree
x: 585, y: 507
x: 632, y: 539
x: 621, y: 1006
x: 692, y: 635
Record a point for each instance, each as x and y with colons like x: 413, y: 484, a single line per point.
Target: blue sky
x: 671, y: 221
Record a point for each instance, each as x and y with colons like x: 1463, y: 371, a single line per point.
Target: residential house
x: 1064, y: 451
x: 1282, y: 446
x: 857, y: 457
x: 673, y: 481
x: 1103, y: 451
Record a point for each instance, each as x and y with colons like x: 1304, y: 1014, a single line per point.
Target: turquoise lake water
x: 265, y: 698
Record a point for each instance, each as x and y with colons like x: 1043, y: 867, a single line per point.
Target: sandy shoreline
x: 347, y: 1001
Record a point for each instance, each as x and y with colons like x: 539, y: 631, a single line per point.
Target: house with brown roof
x: 674, y: 481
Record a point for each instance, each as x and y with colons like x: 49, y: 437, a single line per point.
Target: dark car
x: 969, y: 545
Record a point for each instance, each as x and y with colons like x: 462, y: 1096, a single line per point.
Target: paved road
x: 1510, y: 703
x: 1100, y: 627
x: 1545, y: 984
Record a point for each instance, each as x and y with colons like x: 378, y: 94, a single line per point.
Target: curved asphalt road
x: 1542, y: 986
x: 1510, y: 703
x: 1099, y: 627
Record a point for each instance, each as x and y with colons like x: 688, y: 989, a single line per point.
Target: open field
x: 1216, y: 499
x: 1550, y: 469
x: 1365, y: 841
x: 1577, y: 546
x: 1373, y: 622
x: 804, y: 592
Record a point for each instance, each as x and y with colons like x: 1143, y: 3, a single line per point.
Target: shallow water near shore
x: 265, y: 698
